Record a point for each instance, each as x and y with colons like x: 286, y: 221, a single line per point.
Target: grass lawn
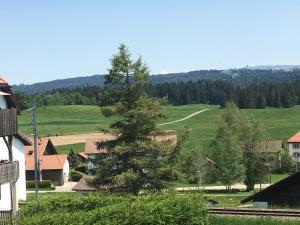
x: 280, y: 123
x: 65, y: 149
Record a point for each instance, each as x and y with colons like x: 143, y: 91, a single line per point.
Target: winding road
x: 185, y: 118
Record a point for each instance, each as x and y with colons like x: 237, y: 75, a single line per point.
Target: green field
x: 280, y: 123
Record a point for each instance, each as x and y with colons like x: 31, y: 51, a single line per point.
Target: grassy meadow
x: 280, y: 123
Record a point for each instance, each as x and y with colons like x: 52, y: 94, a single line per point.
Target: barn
x: 283, y: 193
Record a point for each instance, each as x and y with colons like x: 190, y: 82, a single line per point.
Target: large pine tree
x: 135, y: 160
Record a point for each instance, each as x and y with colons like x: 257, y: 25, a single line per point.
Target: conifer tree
x: 135, y: 160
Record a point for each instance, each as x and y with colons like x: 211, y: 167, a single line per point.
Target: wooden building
x: 12, y: 156
x: 53, y: 167
x: 283, y: 193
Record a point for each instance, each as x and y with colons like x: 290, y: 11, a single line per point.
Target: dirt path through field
x: 185, y: 118
x: 78, y: 138
x: 81, y: 138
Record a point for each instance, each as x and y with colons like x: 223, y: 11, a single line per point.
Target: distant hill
x: 276, y: 67
x: 240, y: 77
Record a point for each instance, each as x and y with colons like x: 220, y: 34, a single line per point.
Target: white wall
x: 5, y: 188
x: 19, y: 155
x: 293, y: 150
x: 66, y: 171
x: 3, y: 104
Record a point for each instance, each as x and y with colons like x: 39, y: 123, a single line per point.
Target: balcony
x: 8, y: 122
x: 9, y: 172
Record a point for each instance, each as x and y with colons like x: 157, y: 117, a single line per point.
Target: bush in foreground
x: 42, y: 184
x: 148, y: 209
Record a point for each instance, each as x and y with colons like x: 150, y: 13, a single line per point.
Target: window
x: 296, y: 145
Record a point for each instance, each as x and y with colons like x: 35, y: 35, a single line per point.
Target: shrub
x: 76, y: 175
x: 167, y: 208
x: 82, y: 169
x: 42, y: 184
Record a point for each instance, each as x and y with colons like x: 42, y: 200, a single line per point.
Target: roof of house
x: 47, y: 162
x: 9, y: 95
x: 23, y: 139
x: 295, y: 138
x: 2, y: 81
x: 3, y: 93
x: 41, y: 146
x: 269, y: 146
x: 274, y: 188
x: 91, y: 147
x: 82, y: 155
x: 83, y: 185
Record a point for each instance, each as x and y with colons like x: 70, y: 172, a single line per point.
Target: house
x: 271, y: 150
x: 12, y: 156
x: 294, y: 147
x: 94, y: 150
x: 283, y: 193
x: 52, y: 166
x: 82, y: 156
x: 84, y: 186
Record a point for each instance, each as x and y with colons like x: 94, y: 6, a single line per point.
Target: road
x: 185, y: 118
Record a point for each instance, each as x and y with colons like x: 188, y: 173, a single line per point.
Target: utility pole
x: 36, y: 165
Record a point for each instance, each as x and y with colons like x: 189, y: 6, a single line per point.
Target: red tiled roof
x: 91, y: 144
x: 48, y: 162
x: 41, y: 146
x: 82, y: 155
x: 84, y: 185
x: 2, y: 81
x: 295, y: 138
x: 3, y: 93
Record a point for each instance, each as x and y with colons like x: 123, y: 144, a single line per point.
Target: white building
x: 294, y: 147
x: 12, y: 163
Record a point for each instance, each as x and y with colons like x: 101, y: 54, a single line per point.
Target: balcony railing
x: 9, y: 172
x: 8, y: 122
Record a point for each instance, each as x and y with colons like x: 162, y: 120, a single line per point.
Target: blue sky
x: 44, y: 40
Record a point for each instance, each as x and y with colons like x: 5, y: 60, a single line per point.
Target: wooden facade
x: 284, y: 193
x: 9, y: 172
x: 8, y: 121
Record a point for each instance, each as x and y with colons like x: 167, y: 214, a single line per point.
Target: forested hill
x: 240, y: 77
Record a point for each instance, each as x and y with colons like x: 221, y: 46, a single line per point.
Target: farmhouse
x: 285, y: 192
x: 95, y: 148
x: 52, y: 167
x: 294, y: 147
x: 12, y: 156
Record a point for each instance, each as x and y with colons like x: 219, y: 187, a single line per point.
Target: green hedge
x: 76, y: 175
x: 42, y: 184
x: 161, y: 209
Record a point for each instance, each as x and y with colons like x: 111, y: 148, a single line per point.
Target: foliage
x: 257, y: 95
x: 167, y: 208
x: 287, y: 164
x: 75, y: 175
x: 42, y: 184
x: 197, y: 167
x: 135, y: 159
x: 253, y: 143
x: 73, y: 158
x: 227, y: 153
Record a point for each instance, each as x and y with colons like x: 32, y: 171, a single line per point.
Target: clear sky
x: 51, y: 39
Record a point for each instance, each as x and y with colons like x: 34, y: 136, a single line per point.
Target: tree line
x: 214, y: 92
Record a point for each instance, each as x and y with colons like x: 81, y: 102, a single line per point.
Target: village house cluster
x: 17, y: 160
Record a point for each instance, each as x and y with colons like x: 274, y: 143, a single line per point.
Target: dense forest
x: 215, y: 92
x: 239, y: 77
